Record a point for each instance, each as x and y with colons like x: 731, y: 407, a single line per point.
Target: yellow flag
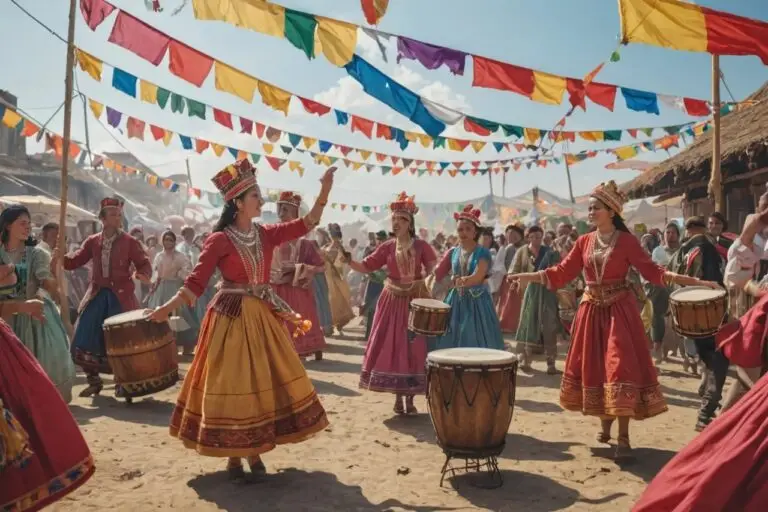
x: 268, y: 148
x: 148, y: 92
x: 11, y: 119
x: 477, y: 145
x: 548, y: 88
x: 89, y: 64
x: 234, y: 81
x: 257, y: 15
x: 219, y: 150
x: 337, y: 40
x: 167, y: 137
x: 425, y: 140
x: 308, y: 142
x: 531, y: 135
x: 596, y: 136
x: 625, y: 152
x: 364, y: 154
x: 274, y: 97
x: 96, y: 107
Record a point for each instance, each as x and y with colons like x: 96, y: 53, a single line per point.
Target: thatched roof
x: 743, y: 147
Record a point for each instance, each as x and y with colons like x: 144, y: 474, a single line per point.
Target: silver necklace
x: 248, y: 239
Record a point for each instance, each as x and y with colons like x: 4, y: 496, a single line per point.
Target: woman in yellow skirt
x: 246, y: 390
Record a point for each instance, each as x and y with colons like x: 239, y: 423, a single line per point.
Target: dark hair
x: 50, y: 226
x: 719, y: 216
x: 619, y: 224
x: 674, y: 226
x: 552, y: 234
x: 227, y: 217
x: 8, y: 217
x: 533, y: 229
x: 695, y: 222
x: 170, y: 234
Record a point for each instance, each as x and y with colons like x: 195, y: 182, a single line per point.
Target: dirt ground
x: 368, y: 459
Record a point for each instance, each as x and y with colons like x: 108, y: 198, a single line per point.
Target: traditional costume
x: 320, y: 289
x: 510, y: 298
x: 294, y: 265
x: 374, y: 285
x: 473, y: 321
x: 339, y: 295
x: 43, y: 456
x: 246, y: 390
x: 608, y: 371
x: 110, y: 292
x: 393, y: 361
x: 47, y: 339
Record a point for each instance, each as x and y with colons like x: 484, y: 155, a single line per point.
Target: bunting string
x: 194, y: 66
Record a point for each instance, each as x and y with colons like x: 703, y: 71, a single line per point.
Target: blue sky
x: 568, y: 38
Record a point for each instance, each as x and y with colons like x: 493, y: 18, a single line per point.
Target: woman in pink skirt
x: 394, y: 359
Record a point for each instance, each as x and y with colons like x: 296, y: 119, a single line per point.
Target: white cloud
x: 346, y: 94
x: 444, y: 95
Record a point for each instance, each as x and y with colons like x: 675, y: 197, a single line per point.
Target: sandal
x: 91, y: 390
x: 257, y: 466
x: 623, y: 449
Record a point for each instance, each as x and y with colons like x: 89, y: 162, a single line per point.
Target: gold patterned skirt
x: 246, y: 390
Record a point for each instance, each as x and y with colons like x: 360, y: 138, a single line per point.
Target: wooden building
x: 744, y: 164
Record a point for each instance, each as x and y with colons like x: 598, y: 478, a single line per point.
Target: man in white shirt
x: 659, y: 295
x: 49, y: 236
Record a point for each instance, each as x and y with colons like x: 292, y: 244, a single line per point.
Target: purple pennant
x: 430, y: 56
x: 113, y: 117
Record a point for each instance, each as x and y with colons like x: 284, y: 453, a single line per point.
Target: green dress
x: 47, y: 340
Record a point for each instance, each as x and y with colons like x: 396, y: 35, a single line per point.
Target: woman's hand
x: 160, y: 315
x: 141, y: 277
x: 709, y: 284
x: 520, y: 281
x: 33, y: 308
x: 327, y: 180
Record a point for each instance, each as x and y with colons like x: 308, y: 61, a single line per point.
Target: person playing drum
x: 110, y: 292
x: 394, y: 359
x: 473, y: 321
x: 246, y: 390
x: 609, y: 372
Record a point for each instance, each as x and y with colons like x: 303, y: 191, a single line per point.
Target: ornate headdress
x: 404, y: 204
x: 288, y: 197
x: 610, y: 195
x: 235, y: 179
x: 110, y: 202
x: 470, y: 214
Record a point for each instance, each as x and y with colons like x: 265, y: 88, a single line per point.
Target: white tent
x: 44, y: 209
x: 653, y: 215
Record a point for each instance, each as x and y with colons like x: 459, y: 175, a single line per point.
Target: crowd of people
x: 251, y: 303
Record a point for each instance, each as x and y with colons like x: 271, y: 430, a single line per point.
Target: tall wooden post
x: 64, y: 302
x: 490, y: 181
x: 568, y: 174
x: 715, y: 187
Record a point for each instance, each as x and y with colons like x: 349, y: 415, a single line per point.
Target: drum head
x: 430, y: 304
x: 128, y: 316
x: 696, y: 294
x: 471, y: 357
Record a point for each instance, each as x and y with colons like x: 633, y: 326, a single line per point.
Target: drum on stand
x: 471, y: 398
x: 698, y: 311
x: 142, y: 353
x: 428, y: 317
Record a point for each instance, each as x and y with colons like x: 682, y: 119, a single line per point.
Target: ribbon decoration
x: 685, y: 26
x: 194, y: 66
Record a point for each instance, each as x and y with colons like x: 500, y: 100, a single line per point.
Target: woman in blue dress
x: 46, y: 340
x: 473, y: 321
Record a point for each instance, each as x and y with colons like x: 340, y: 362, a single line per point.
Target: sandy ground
x: 368, y: 459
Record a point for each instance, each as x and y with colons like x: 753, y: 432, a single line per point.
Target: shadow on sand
x: 145, y: 410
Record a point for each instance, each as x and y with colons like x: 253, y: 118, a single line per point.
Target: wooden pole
x: 64, y: 303
x: 490, y: 181
x: 504, y: 183
x: 716, y: 179
x: 568, y: 174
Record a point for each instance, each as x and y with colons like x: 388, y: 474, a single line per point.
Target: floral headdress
x: 610, y: 195
x: 235, y: 179
x: 470, y: 214
x: 404, y: 204
x: 288, y: 197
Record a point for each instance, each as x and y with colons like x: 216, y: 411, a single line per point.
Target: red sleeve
x: 276, y: 234
x: 378, y: 258
x: 428, y: 256
x: 139, y: 258
x: 444, y: 267
x: 640, y: 259
x: 213, y: 250
x: 81, y: 257
x: 311, y: 254
x: 568, y: 269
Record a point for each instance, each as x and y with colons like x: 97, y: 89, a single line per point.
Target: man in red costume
x: 110, y: 291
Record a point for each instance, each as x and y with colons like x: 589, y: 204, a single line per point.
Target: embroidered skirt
x: 246, y: 390
x: 88, y: 348
x: 60, y: 461
x: 302, y: 301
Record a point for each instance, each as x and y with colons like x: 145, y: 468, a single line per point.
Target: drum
x: 142, y: 353
x: 471, y: 397
x: 697, y: 312
x: 428, y: 317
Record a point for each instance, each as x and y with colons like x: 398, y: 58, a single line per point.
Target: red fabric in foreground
x: 742, y: 341
x: 725, y: 468
x: 728, y: 34
x: 135, y: 35
x: 500, y: 75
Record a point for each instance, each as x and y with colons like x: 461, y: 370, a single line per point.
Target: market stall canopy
x: 45, y: 209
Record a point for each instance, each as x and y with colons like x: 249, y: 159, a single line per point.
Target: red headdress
x: 289, y: 197
x: 470, y: 214
x: 235, y: 179
x: 610, y: 195
x: 404, y: 204
x: 111, y: 202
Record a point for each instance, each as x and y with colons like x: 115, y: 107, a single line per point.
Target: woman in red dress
x: 609, y: 372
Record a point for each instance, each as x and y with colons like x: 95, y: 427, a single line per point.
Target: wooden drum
x: 142, y: 353
x: 471, y: 397
x: 697, y: 311
x: 428, y: 317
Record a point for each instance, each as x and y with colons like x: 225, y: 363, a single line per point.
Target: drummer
x: 698, y: 257
x: 110, y: 291
x: 473, y: 321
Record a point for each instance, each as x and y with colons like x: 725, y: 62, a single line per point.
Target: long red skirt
x: 302, y: 301
x: 508, y: 308
x: 609, y: 371
x: 723, y: 468
x: 61, y: 460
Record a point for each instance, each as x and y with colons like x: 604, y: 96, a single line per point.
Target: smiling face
x: 250, y: 203
x: 598, y: 214
x: 466, y: 231
x: 715, y: 226
x: 287, y: 212
x: 400, y: 225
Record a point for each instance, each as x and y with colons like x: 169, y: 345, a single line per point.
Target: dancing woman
x: 47, y: 340
x: 43, y: 456
x: 393, y: 361
x: 339, y: 295
x: 473, y: 321
x: 609, y: 372
x: 246, y: 390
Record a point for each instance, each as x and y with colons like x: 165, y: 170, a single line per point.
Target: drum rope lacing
x: 456, y: 378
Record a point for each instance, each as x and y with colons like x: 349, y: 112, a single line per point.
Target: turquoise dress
x: 47, y: 340
x: 473, y: 321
